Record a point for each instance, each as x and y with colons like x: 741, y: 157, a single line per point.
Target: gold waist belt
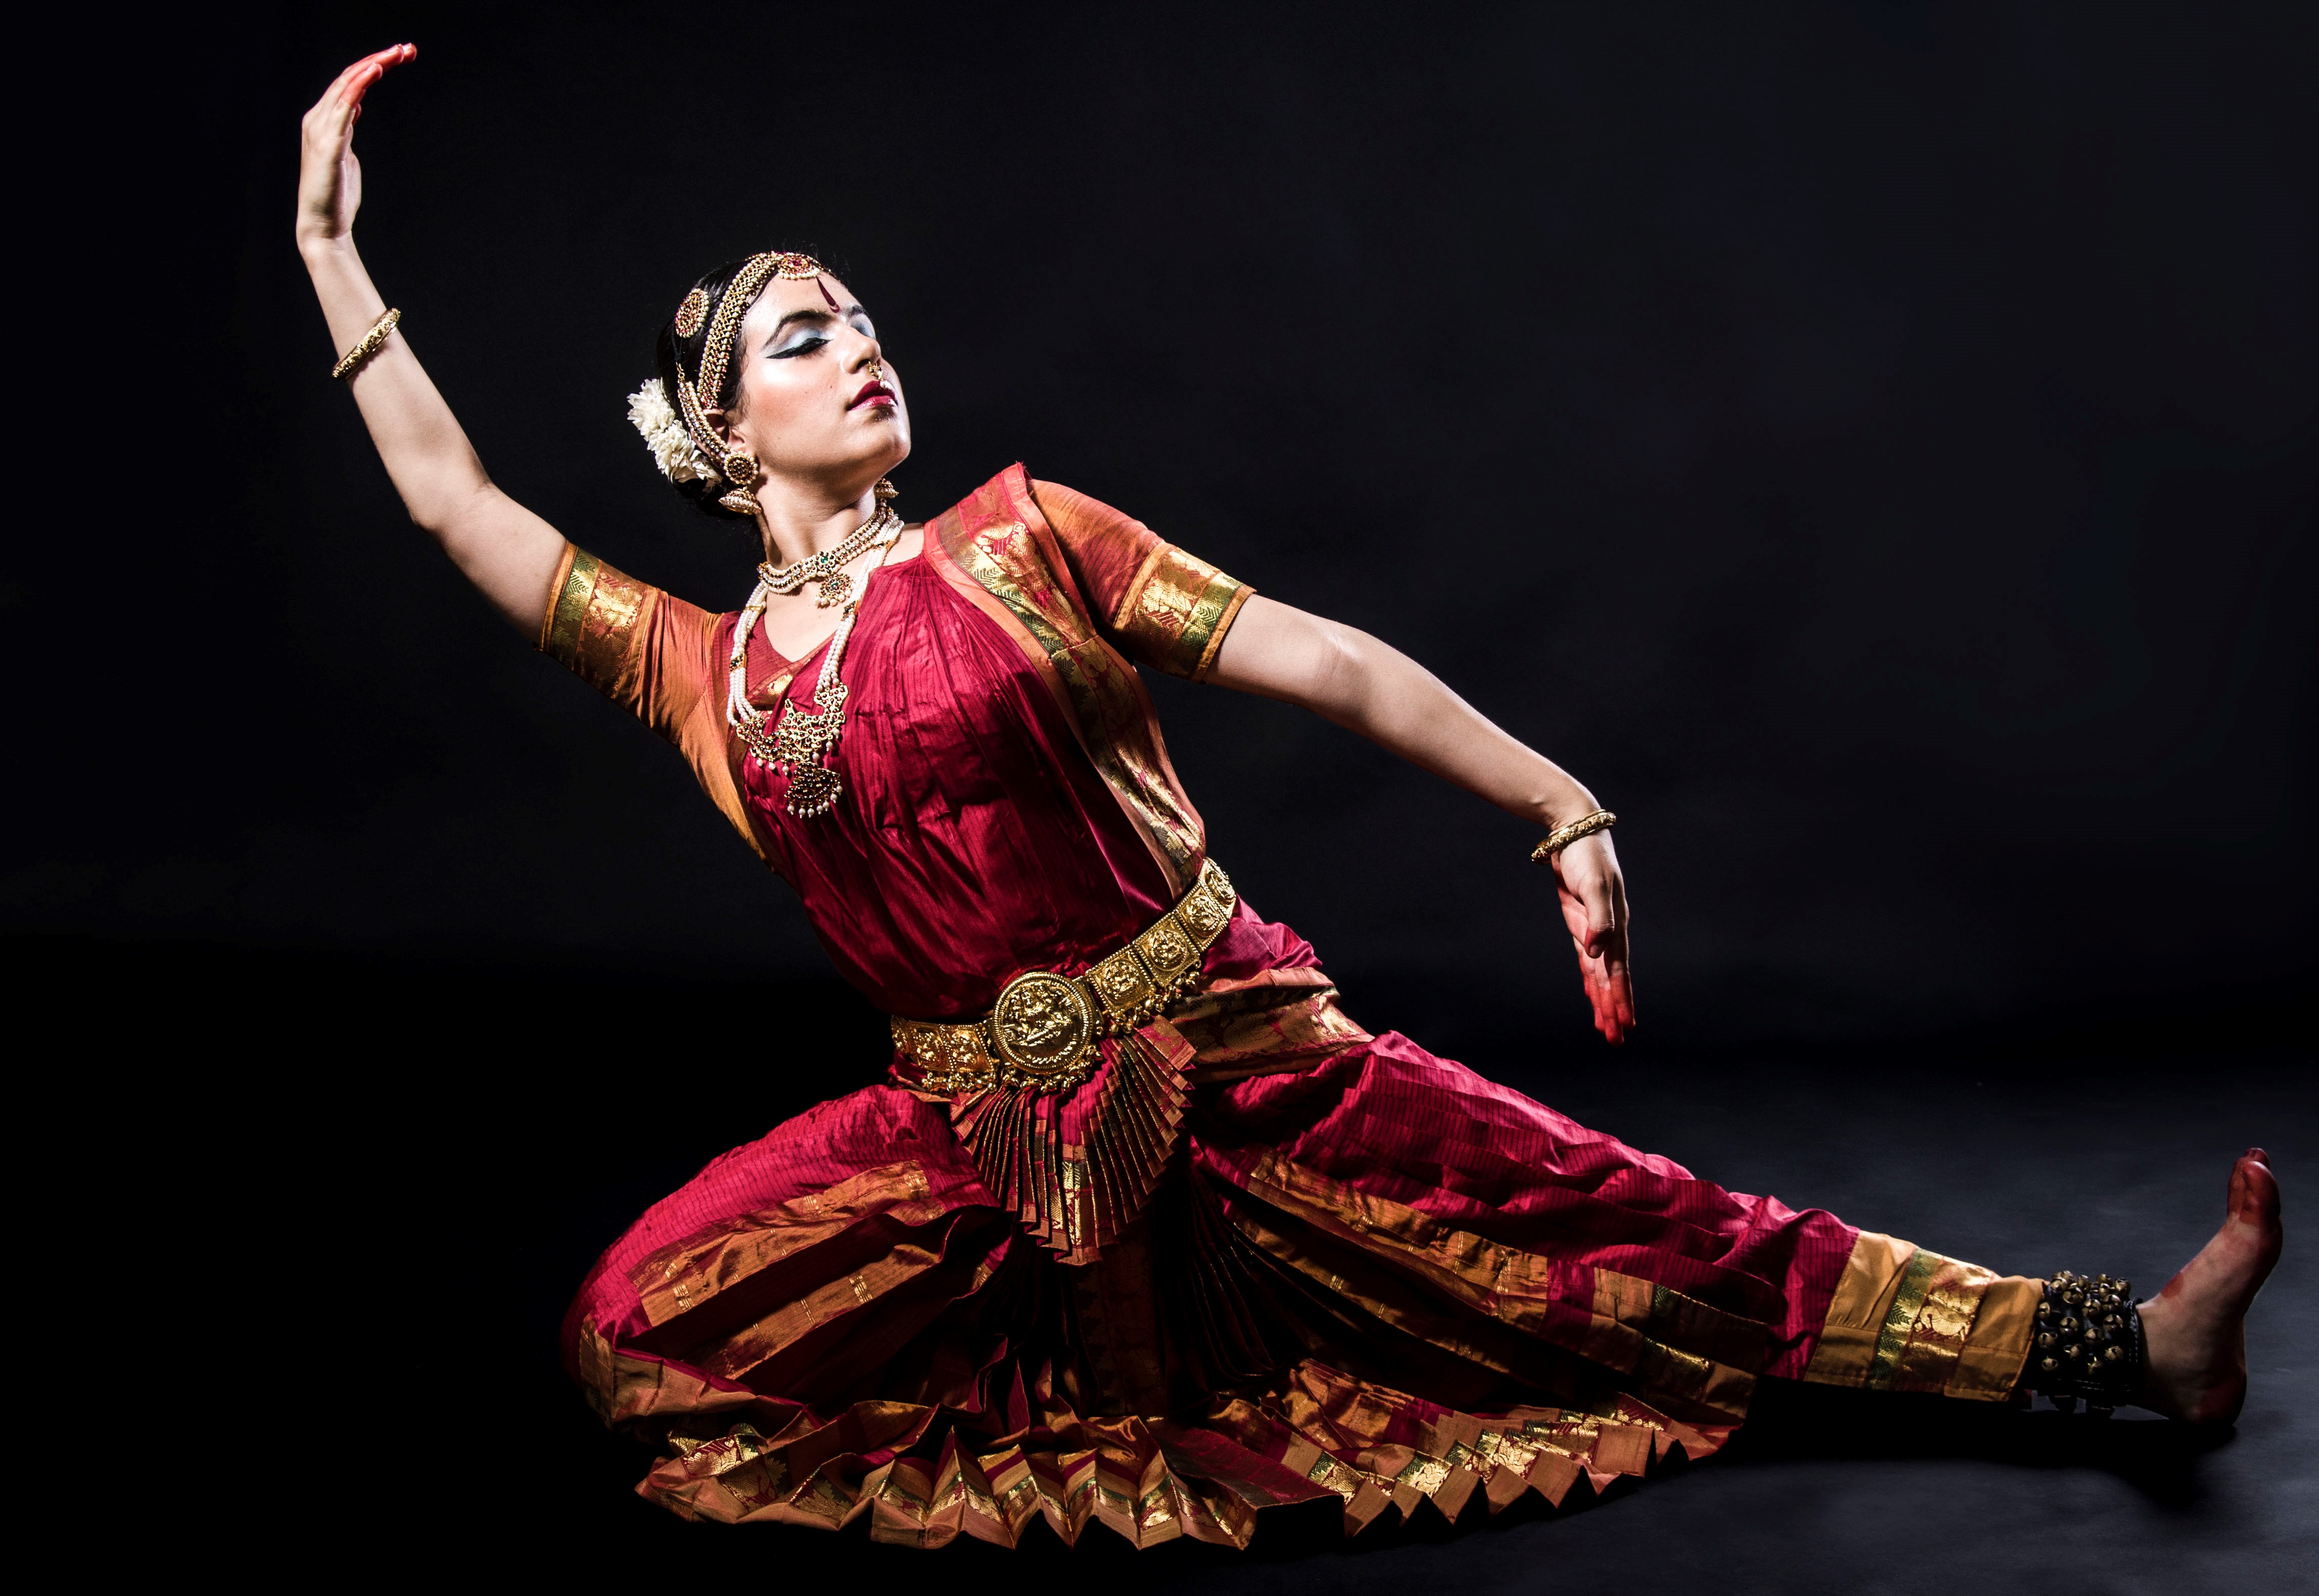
x: 1043, y: 1031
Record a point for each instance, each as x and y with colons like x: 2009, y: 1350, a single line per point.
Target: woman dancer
x: 1140, y: 1229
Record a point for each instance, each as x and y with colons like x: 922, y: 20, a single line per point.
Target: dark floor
x: 404, y: 1218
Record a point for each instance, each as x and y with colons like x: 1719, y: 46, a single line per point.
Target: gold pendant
x: 813, y: 790
x: 835, y: 592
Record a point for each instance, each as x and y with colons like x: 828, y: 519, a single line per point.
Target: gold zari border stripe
x: 596, y: 627
x: 560, y: 639
x: 1179, y: 607
x: 1900, y: 1319
x: 1904, y: 1318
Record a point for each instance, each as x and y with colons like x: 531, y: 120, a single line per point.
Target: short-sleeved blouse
x: 978, y: 834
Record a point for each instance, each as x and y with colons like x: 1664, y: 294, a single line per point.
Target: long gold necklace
x: 798, y: 742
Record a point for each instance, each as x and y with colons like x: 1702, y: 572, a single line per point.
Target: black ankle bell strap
x: 2087, y: 1344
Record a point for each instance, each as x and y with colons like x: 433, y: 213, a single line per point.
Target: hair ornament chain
x: 684, y: 445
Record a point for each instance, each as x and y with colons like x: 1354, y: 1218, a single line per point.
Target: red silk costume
x: 1268, y: 1255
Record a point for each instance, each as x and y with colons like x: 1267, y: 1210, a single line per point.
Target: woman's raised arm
x: 504, y: 549
x: 1347, y: 676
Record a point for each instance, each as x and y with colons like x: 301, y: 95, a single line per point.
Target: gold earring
x: 886, y: 490
x: 741, y: 470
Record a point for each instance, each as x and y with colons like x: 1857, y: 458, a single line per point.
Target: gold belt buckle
x: 1044, y: 1028
x: 1043, y: 1023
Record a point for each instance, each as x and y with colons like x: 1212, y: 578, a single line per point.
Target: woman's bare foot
x: 2193, y: 1332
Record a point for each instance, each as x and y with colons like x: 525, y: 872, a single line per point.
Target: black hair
x: 665, y: 353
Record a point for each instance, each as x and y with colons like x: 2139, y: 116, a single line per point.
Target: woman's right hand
x: 504, y: 549
x: 329, y: 178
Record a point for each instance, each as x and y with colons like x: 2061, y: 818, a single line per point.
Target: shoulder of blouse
x: 656, y: 656
x: 644, y: 649
x: 1163, y: 605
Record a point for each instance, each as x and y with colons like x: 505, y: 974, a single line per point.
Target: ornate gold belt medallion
x: 1045, y: 1029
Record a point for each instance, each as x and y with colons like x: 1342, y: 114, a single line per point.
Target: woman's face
x: 817, y: 400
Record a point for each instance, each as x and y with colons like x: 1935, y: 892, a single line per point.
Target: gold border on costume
x: 1179, y: 607
x: 594, y: 623
x: 1907, y: 1318
x: 999, y: 541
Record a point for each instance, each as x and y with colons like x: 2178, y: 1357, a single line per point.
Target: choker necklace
x: 826, y: 569
x: 797, y: 744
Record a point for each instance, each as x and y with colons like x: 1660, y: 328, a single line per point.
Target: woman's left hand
x: 1595, y: 907
x: 1280, y: 652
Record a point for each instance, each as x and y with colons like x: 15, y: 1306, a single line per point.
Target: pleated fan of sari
x: 1079, y: 1167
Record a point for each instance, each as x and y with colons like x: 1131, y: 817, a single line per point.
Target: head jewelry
x: 686, y: 447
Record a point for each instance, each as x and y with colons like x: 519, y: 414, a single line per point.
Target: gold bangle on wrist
x: 371, y: 344
x: 1562, y: 836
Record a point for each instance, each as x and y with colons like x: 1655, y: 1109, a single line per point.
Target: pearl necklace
x: 798, y: 742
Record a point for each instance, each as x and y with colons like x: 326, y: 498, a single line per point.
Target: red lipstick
x: 873, y: 391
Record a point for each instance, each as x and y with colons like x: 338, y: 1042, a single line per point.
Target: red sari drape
x: 1348, y: 1268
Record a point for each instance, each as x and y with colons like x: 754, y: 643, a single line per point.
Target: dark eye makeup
x: 804, y: 343
x: 811, y: 336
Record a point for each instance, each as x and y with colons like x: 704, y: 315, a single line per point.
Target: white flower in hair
x: 680, y: 459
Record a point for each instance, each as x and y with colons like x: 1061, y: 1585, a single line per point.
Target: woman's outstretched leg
x: 2193, y: 1332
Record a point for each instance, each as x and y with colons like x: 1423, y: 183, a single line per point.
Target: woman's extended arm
x: 504, y: 549
x: 1349, y: 677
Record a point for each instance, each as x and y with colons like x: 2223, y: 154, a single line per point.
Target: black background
x: 1873, y: 447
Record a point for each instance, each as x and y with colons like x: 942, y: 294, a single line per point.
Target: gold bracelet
x: 372, y: 342
x: 1562, y: 836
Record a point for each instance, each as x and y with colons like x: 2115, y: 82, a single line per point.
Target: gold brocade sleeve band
x: 559, y: 638
x: 1176, y: 612
x: 596, y: 625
